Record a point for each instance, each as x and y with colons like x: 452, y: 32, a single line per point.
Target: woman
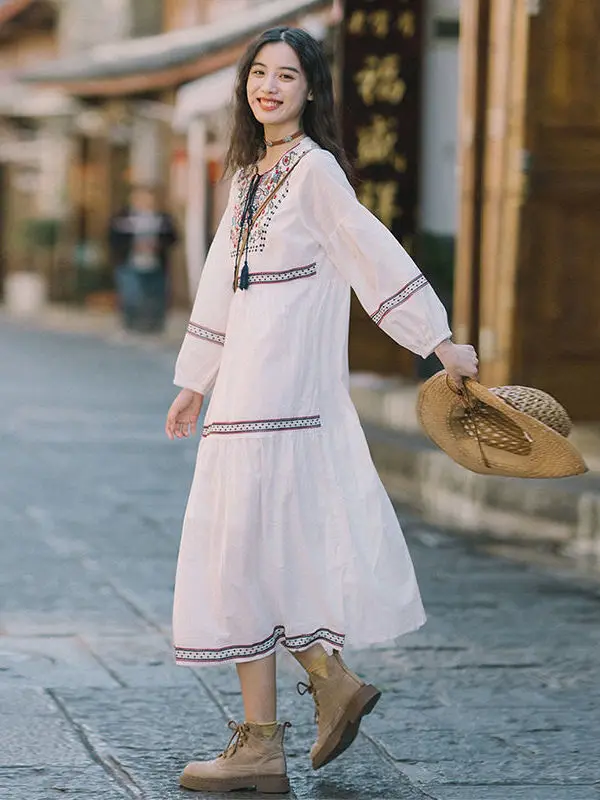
x: 289, y: 537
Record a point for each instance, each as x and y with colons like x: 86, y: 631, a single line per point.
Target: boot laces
x: 238, y: 738
x: 309, y: 688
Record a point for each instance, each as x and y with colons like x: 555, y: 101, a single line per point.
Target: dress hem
x: 186, y: 656
x: 196, y: 657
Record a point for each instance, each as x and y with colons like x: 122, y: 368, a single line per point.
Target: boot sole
x: 345, y: 732
x: 267, y: 784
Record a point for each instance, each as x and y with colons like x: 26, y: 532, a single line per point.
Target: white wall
x: 439, y: 131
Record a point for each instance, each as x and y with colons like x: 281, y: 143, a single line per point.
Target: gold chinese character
x: 377, y: 144
x: 407, y: 24
x: 380, y: 79
x: 400, y: 163
x: 357, y: 23
x: 380, y: 198
x: 380, y: 23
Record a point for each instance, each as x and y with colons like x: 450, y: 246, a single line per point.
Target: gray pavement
x: 497, y: 698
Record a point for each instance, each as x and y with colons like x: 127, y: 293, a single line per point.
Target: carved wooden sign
x: 381, y: 85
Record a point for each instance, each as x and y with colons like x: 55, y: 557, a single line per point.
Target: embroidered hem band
x: 192, y: 655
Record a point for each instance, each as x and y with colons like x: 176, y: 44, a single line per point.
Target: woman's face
x: 277, y: 89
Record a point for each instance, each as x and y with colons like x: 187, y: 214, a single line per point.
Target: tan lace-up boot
x: 252, y: 759
x: 341, y: 701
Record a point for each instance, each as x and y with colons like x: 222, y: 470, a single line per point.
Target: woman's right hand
x: 182, y: 418
x: 459, y: 360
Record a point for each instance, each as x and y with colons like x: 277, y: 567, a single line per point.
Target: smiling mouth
x: 268, y: 105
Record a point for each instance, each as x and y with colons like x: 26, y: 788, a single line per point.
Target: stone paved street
x: 497, y: 698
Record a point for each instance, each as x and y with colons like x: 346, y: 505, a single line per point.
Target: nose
x: 269, y: 84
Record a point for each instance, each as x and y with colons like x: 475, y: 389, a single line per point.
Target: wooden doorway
x: 528, y: 267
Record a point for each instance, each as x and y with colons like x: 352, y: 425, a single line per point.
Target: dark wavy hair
x: 247, y: 143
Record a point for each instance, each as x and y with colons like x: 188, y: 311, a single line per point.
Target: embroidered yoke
x: 289, y: 537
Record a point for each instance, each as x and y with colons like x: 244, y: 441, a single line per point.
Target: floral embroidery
x: 258, y: 234
x: 190, y: 655
x: 201, y: 332
x: 284, y: 276
x: 400, y: 297
x: 258, y: 425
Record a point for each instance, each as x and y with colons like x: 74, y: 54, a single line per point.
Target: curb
x: 101, y: 324
x: 563, y: 513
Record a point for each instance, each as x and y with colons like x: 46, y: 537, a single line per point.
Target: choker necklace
x: 285, y: 139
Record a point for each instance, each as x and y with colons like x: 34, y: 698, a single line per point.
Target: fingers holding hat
x: 459, y: 360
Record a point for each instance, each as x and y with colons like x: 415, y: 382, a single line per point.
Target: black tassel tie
x: 244, y: 277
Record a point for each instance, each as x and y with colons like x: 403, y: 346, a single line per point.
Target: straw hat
x: 511, y: 430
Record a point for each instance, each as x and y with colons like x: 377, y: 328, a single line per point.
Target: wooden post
x: 513, y: 195
x: 473, y: 51
x: 493, y: 86
x: 492, y: 280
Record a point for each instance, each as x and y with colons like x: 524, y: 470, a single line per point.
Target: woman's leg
x: 307, y: 658
x: 259, y: 689
x: 341, y: 700
x: 255, y: 756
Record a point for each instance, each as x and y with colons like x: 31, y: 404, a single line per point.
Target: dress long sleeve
x: 199, y: 358
x: 388, y: 283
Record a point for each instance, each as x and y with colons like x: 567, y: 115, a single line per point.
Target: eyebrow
x: 291, y: 69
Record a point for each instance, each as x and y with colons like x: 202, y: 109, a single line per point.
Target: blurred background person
x: 140, y: 239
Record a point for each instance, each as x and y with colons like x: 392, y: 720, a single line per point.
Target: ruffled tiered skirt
x: 289, y: 539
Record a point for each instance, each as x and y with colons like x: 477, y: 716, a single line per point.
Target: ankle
x: 265, y: 729
x: 318, y: 666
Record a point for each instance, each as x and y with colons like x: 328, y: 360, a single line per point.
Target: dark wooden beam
x: 11, y: 9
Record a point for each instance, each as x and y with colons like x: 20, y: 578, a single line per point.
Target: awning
x: 170, y: 59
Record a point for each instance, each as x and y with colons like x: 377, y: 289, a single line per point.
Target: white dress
x: 289, y: 537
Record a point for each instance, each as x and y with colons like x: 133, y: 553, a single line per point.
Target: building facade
x: 126, y: 81
x: 526, y: 274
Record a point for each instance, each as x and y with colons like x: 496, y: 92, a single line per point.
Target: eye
x: 287, y: 77
x: 257, y: 71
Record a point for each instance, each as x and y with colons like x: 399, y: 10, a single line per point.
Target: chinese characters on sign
x: 381, y: 106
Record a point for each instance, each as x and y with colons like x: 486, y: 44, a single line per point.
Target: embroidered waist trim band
x: 284, y: 275
x: 259, y: 425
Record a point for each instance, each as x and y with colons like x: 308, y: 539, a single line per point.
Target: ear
x: 310, y: 96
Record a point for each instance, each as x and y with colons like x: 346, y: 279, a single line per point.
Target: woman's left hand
x: 459, y: 360
x: 182, y: 418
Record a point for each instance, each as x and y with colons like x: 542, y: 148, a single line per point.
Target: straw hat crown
x: 537, y: 404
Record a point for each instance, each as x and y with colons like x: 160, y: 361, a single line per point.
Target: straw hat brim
x: 550, y: 454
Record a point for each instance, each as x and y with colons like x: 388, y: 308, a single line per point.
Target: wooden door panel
x: 558, y: 307
x: 565, y: 40
x: 563, y: 278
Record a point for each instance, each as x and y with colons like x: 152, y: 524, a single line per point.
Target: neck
x: 272, y: 132
x: 275, y: 133
x: 274, y: 152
